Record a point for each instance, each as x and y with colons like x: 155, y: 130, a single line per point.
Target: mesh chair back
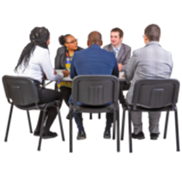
x: 21, y: 90
x: 95, y: 89
x: 155, y: 93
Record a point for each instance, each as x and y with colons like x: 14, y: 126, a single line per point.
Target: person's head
x: 116, y: 37
x: 94, y: 38
x: 152, y: 33
x: 38, y: 36
x: 69, y: 41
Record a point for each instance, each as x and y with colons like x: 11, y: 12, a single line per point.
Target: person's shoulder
x: 61, y: 50
x: 126, y: 46
x: 106, y: 47
x: 41, y: 50
x: 79, y: 48
x: 167, y: 52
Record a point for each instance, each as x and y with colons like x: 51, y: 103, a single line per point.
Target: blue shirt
x: 117, y: 48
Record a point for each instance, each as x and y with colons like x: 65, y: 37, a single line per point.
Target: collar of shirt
x: 153, y: 42
x: 118, y: 49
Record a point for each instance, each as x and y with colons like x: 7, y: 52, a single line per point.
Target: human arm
x: 72, y: 70
x: 127, y: 57
x: 130, y: 68
x: 47, y: 68
x: 115, y: 69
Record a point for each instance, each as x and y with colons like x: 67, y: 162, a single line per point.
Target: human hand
x: 55, y: 72
x: 65, y: 73
x: 120, y: 66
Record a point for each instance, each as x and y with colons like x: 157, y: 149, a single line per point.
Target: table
x: 121, y: 78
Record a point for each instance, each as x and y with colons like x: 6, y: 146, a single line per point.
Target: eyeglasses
x: 76, y: 40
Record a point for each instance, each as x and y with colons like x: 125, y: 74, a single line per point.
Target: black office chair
x: 95, y: 91
x: 22, y: 92
x: 155, y: 96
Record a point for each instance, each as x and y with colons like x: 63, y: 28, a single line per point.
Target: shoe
x: 47, y: 135
x: 81, y: 135
x: 69, y: 115
x: 107, y: 134
x: 139, y: 136
x: 154, y: 136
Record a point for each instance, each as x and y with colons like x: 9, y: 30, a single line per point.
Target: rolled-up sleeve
x: 48, y: 69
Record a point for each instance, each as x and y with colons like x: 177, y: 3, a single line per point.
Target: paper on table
x: 121, y: 73
x: 65, y: 78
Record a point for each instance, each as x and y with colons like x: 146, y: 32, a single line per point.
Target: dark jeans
x: 45, y: 96
x: 79, y: 119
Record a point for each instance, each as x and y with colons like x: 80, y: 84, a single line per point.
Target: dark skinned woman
x: 63, y: 61
x: 34, y: 62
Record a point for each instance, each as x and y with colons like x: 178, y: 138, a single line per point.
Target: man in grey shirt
x: 149, y: 62
x: 121, y: 51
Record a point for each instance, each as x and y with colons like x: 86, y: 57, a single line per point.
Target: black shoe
x: 69, y: 115
x: 154, y: 136
x: 81, y: 135
x: 107, y: 134
x: 139, y: 136
x: 47, y: 135
x: 36, y: 133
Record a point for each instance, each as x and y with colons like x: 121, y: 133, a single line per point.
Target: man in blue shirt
x: 93, y: 61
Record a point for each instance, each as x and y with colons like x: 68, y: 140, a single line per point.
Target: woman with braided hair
x: 34, y: 62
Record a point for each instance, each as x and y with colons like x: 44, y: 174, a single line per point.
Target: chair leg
x: 118, y: 136
x: 29, y: 122
x: 60, y: 123
x: 177, y: 131
x: 71, y: 135
x: 129, y: 124
x: 99, y: 116
x: 166, y: 124
x: 9, y: 121
x: 123, y: 124
x: 90, y: 116
x: 41, y: 130
x: 114, y: 126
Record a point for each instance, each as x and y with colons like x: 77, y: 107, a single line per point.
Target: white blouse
x: 39, y: 64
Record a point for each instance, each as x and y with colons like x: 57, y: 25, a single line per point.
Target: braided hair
x: 38, y: 36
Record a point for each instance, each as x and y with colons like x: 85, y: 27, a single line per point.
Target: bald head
x: 94, y: 38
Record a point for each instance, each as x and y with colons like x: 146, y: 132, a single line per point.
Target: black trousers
x: 45, y: 96
x: 66, y: 92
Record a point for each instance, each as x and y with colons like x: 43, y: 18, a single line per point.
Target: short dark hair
x: 118, y: 30
x: 95, y: 37
x: 153, y: 32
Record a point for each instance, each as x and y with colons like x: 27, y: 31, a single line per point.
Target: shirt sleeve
x: 48, y: 69
x: 72, y: 70
x: 130, y: 68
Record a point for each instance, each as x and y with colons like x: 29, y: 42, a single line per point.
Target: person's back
x: 94, y: 61
x: 153, y: 62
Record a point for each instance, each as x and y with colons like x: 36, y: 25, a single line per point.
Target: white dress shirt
x: 39, y: 64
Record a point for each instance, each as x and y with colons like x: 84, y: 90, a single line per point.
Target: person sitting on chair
x: 63, y: 60
x: 149, y: 62
x: 34, y: 62
x: 93, y: 61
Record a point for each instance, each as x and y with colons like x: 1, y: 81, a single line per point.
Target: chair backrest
x: 155, y: 93
x: 95, y: 89
x: 21, y: 90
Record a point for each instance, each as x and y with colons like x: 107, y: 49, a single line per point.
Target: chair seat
x: 94, y: 109
x: 40, y: 106
x: 140, y: 108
